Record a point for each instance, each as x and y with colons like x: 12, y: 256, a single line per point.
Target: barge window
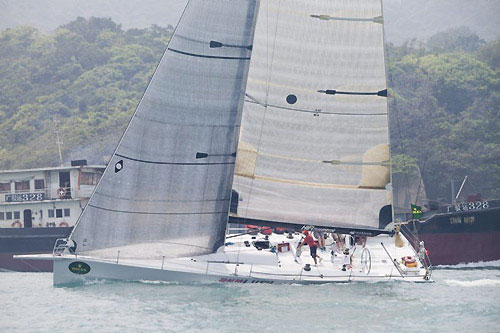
x: 22, y: 186
x: 89, y: 178
x: 17, y: 215
x: 4, y: 187
x: 39, y: 184
x: 51, y: 212
x: 2, y: 216
x: 9, y: 215
x: 59, y: 213
x: 66, y: 211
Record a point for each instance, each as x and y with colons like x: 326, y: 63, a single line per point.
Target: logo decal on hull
x: 79, y: 267
x: 245, y: 280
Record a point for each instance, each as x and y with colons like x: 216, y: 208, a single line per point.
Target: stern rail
x: 60, y: 245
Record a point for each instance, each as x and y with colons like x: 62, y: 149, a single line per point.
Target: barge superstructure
x: 38, y: 206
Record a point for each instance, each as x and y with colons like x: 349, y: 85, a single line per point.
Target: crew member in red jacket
x: 313, y: 246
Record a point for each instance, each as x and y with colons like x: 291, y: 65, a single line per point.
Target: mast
x: 58, y: 141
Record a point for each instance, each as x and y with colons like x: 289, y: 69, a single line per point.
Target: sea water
x: 462, y: 298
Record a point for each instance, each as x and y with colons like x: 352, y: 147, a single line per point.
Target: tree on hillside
x: 91, y: 28
x: 445, y: 116
x: 490, y: 53
x: 89, y: 74
x: 460, y: 39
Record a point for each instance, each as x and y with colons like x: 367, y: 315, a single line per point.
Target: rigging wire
x: 270, y: 66
x: 421, y: 181
x: 268, y: 81
x: 249, y: 233
x: 394, y: 102
x: 108, y: 167
x: 396, y: 112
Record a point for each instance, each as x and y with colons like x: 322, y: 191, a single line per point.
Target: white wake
x: 474, y: 283
x: 472, y: 265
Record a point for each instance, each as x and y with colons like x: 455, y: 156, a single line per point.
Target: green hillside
x: 90, y: 74
x: 445, y: 111
x: 404, y: 19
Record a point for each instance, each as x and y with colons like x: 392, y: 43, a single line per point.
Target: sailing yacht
x: 282, y: 103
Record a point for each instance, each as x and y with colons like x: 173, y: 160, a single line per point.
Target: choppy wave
x: 474, y: 283
x: 459, y: 300
x: 495, y: 264
x: 156, y: 282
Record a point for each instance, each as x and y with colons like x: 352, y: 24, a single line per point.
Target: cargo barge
x: 38, y: 206
x: 461, y: 233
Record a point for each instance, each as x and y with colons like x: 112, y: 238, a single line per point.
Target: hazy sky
x: 405, y: 19
x: 49, y: 14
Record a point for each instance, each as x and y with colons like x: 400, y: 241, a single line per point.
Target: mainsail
x: 314, y: 142
x: 167, y: 187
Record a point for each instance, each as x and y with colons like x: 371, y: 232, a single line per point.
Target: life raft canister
x: 266, y: 230
x: 409, y: 261
x: 279, y: 230
x: 17, y: 224
x: 64, y: 224
x: 253, y: 229
x: 283, y: 247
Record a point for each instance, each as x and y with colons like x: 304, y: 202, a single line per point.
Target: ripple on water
x: 458, y: 300
x: 473, y: 283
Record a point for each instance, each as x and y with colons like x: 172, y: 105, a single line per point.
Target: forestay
x: 167, y: 187
x: 314, y: 144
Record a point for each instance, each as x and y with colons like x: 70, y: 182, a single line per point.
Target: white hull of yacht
x: 240, y: 264
x: 106, y: 271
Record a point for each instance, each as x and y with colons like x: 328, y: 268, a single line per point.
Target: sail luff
x: 386, y: 59
x: 129, y: 122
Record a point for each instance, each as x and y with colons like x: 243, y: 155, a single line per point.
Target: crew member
x: 320, y: 236
x: 313, y: 247
x: 347, y: 264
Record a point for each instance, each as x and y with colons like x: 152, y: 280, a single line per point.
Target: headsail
x: 314, y: 143
x: 167, y: 188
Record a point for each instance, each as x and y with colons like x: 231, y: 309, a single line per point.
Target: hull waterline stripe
x: 208, y: 56
x: 151, y: 213
x: 171, y: 163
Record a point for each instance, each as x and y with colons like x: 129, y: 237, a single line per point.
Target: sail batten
x: 318, y: 111
x: 172, y: 163
x: 156, y: 213
x: 155, y: 194
x: 208, y: 56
